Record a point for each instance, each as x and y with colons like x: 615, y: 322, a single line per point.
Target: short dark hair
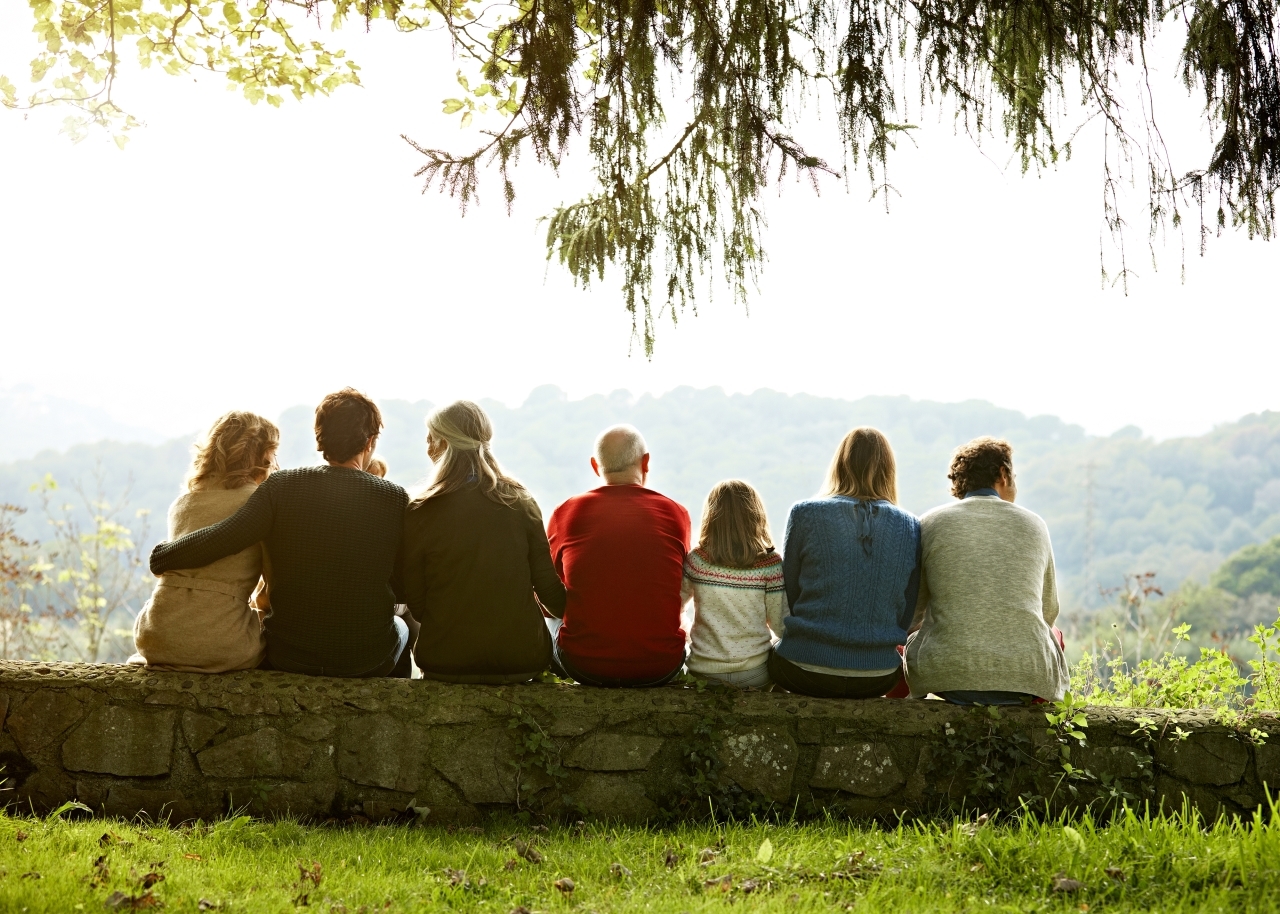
x: 345, y: 421
x: 977, y: 465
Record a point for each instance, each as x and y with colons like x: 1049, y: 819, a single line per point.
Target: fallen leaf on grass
x: 1064, y: 883
x: 32, y: 875
x: 565, y: 885
x: 193, y: 856
x: 971, y: 828
x: 112, y: 838
x: 151, y: 879
x: 748, y: 886
x: 119, y: 901
x: 520, y: 909
x: 618, y: 871
x: 671, y: 859
x: 510, y: 864
x: 101, y: 873
x: 20, y: 836
x: 1082, y: 907
x: 540, y: 830
x: 1115, y: 873
x: 977, y: 868
x: 204, y: 904
x: 528, y: 852
x: 724, y: 883
x: 457, y: 877
x: 707, y: 856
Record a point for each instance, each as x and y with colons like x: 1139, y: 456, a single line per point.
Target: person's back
x: 620, y: 551
x: 332, y: 533
x: 474, y: 554
x: 988, y: 597
x: 333, y: 544
x: 851, y: 564
x: 199, y: 620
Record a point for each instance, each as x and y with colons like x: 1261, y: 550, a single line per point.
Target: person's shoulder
x: 1024, y: 515
x: 899, y: 513
x: 942, y: 513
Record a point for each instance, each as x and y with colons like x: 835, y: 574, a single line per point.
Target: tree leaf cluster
x: 690, y: 109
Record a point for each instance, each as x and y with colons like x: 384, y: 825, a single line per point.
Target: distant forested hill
x: 1177, y: 507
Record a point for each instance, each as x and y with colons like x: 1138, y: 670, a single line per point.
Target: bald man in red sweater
x: 620, y: 551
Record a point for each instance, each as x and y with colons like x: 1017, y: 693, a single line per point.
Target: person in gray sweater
x: 983, y: 628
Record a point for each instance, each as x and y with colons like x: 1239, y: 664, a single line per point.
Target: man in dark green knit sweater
x: 332, y: 533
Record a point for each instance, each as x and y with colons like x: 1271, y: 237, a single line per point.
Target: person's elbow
x: 156, y: 561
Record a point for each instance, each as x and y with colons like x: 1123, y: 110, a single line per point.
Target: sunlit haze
x: 253, y: 258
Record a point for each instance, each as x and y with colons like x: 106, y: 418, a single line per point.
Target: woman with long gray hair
x: 475, y: 561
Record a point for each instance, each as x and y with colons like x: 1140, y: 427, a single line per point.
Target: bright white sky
x: 242, y: 257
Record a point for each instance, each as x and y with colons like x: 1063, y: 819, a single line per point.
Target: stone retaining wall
x: 124, y: 740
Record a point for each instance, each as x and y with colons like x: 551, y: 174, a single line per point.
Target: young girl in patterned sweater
x: 734, y: 578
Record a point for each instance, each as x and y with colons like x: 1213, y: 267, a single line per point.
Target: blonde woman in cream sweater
x: 199, y: 620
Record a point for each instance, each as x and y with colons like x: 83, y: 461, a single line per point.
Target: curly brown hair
x: 345, y: 421
x: 237, y: 451
x: 977, y: 465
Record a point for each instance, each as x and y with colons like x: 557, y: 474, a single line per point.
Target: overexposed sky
x: 242, y: 257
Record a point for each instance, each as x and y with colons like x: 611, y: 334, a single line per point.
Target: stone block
x: 381, y: 751
x: 482, y: 765
x: 613, y: 752
x: 284, y: 799
x: 39, y: 719
x: 250, y: 705
x: 4, y: 708
x: 45, y: 790
x: 265, y: 753
x: 761, y: 759
x: 1171, y: 794
x: 200, y: 729
x: 312, y: 727
x: 1204, y: 758
x: 864, y: 769
x: 1267, y: 760
x: 614, y: 796
x: 1115, y: 761
x: 158, y: 805
x: 124, y: 741
x: 573, y: 724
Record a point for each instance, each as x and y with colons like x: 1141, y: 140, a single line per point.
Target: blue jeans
x: 977, y: 697
x: 755, y: 678
x: 399, y: 663
x: 564, y: 668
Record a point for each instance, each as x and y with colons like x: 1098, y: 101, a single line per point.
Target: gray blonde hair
x: 619, y: 448
x: 465, y: 431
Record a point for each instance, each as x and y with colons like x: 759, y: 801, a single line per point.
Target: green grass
x: 1135, y: 864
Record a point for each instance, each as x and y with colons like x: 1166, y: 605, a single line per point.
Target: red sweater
x: 620, y: 552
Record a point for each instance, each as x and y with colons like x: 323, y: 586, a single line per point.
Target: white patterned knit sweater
x: 733, y: 612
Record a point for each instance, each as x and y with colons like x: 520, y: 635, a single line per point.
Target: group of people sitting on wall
x: 334, y: 571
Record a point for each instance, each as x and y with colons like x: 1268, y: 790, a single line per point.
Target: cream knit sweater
x: 734, y: 610
x: 987, y: 601
x: 199, y: 620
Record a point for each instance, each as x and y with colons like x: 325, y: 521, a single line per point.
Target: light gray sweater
x: 987, y: 601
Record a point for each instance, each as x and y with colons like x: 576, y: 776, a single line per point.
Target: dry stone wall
x: 125, y: 741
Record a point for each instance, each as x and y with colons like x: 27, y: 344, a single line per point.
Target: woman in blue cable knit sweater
x: 852, y: 566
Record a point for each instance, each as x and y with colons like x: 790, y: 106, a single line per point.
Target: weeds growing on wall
x: 1174, y: 682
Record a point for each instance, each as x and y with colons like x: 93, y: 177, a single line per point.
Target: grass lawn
x: 244, y: 865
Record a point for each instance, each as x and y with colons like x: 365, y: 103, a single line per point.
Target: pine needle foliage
x: 689, y: 108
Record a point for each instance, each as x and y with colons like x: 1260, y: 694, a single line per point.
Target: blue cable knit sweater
x: 852, y: 570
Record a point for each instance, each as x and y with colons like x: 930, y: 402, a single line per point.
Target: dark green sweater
x: 332, y: 534
x: 470, y: 569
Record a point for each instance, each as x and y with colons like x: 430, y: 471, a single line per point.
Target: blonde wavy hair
x: 465, y: 431
x: 864, y: 467
x: 237, y: 452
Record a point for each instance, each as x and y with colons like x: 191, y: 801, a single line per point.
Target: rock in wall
x: 125, y: 740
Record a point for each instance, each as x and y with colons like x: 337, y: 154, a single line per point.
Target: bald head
x: 621, y: 456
